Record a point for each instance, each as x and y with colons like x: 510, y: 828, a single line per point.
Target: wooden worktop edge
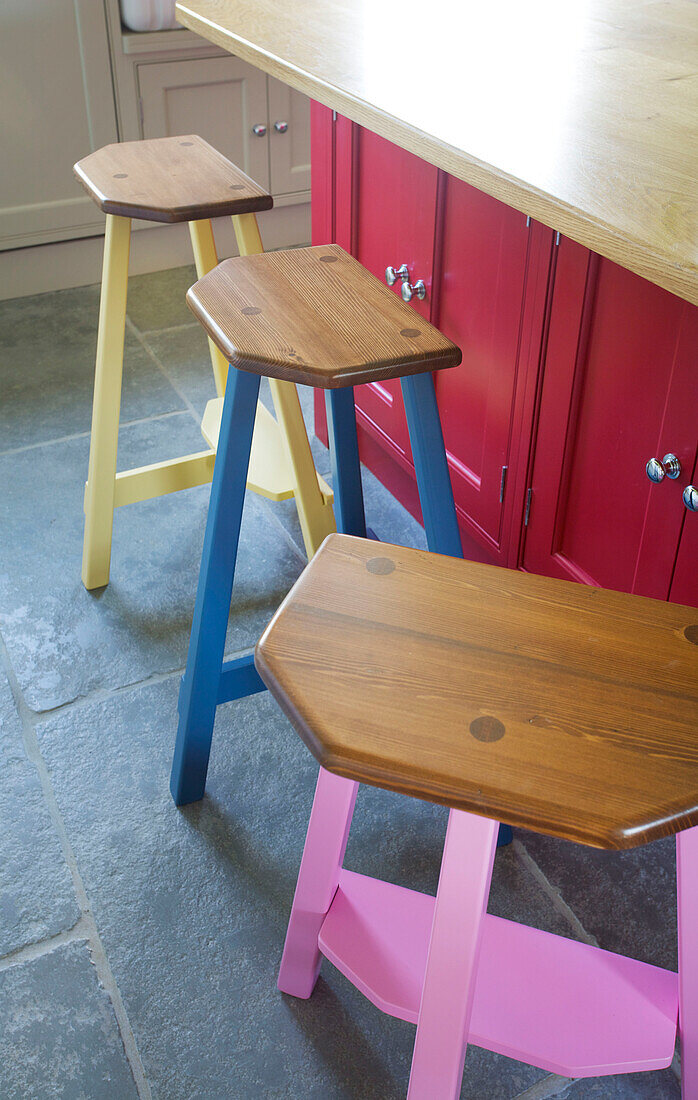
x: 600, y: 237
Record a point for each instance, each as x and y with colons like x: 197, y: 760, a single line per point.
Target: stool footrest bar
x: 161, y: 478
x: 564, y: 1006
x: 239, y: 678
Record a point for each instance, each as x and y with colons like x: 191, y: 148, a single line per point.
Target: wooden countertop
x: 581, y: 113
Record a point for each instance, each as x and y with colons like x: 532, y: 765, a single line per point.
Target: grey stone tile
x: 64, y: 641
x: 158, y: 300
x: 192, y: 905
x: 387, y: 517
x: 58, y: 1033
x: 627, y: 900
x: 660, y: 1085
x: 185, y: 358
x: 36, y: 890
x: 47, y: 357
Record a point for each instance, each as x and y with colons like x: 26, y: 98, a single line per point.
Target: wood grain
x: 582, y: 115
x: 565, y: 709
x: 315, y: 316
x: 174, y: 179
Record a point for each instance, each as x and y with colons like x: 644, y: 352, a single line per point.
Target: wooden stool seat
x: 173, y: 179
x: 565, y: 709
x: 315, y: 316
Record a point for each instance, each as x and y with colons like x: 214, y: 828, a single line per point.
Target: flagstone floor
x: 139, y: 943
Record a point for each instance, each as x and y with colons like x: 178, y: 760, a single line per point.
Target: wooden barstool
x: 313, y: 316
x: 180, y: 179
x: 560, y: 708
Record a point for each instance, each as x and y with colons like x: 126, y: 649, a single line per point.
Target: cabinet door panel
x: 667, y: 522
x: 220, y: 98
x: 611, y: 399
x: 479, y: 306
x: 393, y: 207
x: 289, y: 152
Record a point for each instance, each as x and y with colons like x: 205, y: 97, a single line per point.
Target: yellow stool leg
x: 247, y: 234
x: 206, y: 258
x: 314, y: 512
x: 99, y: 491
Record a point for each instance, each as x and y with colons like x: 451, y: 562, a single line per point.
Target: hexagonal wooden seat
x: 562, y: 708
x: 173, y: 179
x: 315, y: 316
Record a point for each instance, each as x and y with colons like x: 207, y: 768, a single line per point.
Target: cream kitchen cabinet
x: 73, y: 79
x: 261, y: 124
x: 289, y: 142
x: 221, y: 98
x: 56, y: 105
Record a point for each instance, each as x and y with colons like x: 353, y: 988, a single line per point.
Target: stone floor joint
x: 547, y: 1088
x: 163, y: 369
x: 552, y: 893
x: 30, y: 951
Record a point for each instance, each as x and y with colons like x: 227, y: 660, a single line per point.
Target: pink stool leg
x: 449, y: 981
x: 687, y: 898
x: 318, y: 878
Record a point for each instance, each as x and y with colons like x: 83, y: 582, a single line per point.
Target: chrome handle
x: 259, y: 130
x: 690, y: 498
x: 408, y: 290
x: 392, y: 274
x: 281, y: 127
x: 668, y: 467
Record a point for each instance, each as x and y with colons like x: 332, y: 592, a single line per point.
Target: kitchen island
x: 536, y: 167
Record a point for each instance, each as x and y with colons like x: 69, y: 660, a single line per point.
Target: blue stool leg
x: 434, y: 480
x: 431, y: 467
x: 200, y: 689
x: 346, y: 467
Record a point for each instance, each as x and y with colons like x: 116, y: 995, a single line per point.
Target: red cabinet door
x: 385, y: 215
x: 684, y: 585
x: 478, y: 304
x: 684, y: 588
x: 322, y: 180
x: 619, y: 387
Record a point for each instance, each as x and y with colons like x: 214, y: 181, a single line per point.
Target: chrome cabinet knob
x: 408, y: 290
x: 392, y: 274
x: 259, y: 130
x: 281, y: 127
x: 690, y: 498
x: 668, y: 467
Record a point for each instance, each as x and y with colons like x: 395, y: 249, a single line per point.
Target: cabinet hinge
x: 529, y: 498
x: 557, y: 237
x: 334, y: 116
x: 528, y: 221
x: 502, y: 483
